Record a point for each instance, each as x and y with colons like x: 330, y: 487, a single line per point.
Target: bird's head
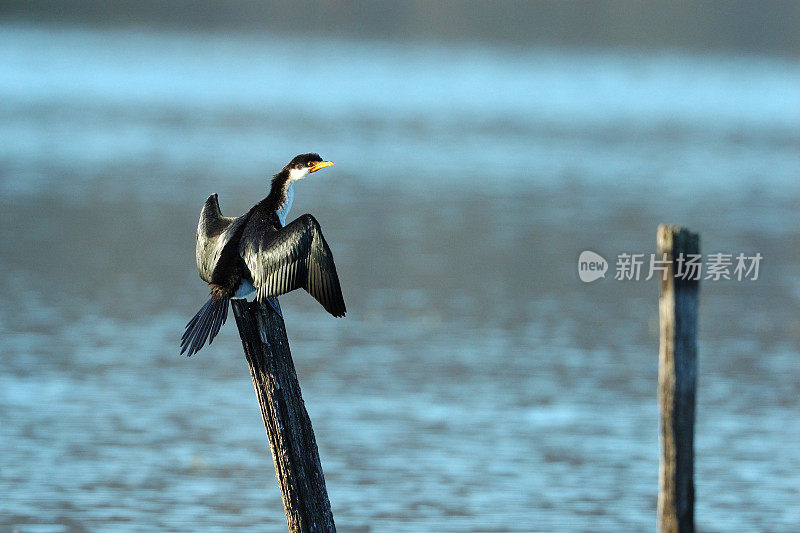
x: 305, y: 164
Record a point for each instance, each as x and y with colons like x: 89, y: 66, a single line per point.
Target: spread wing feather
x: 293, y: 257
x: 216, y: 242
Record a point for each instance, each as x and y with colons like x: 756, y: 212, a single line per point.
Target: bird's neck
x: 281, y: 195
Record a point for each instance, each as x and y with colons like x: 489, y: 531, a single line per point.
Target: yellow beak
x: 320, y: 165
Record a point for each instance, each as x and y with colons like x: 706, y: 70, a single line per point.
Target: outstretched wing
x: 215, y: 238
x: 293, y: 257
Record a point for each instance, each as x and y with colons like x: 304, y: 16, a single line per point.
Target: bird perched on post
x: 258, y: 254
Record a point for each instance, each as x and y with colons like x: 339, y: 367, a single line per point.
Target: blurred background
x: 476, y: 383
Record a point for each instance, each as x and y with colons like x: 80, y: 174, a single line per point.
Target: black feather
x: 204, y: 325
x: 289, y: 258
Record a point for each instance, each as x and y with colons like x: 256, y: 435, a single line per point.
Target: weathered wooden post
x: 291, y: 437
x: 677, y: 379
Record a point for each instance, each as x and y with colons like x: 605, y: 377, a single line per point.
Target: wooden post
x: 677, y: 381
x: 291, y: 437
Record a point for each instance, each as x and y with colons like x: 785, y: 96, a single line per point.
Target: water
x: 476, y: 384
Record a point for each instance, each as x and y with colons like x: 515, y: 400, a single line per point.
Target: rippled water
x: 476, y: 384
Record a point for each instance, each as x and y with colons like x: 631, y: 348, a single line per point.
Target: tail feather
x: 204, y: 325
x: 191, y: 324
x: 202, y: 333
x: 194, y: 330
x: 219, y: 319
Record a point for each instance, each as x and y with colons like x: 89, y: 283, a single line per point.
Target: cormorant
x: 258, y: 254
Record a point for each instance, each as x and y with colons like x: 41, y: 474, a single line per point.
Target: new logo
x: 591, y: 266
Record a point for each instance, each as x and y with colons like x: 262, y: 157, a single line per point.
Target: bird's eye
x: 311, y: 164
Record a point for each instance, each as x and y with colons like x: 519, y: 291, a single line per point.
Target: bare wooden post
x: 677, y: 381
x: 291, y: 437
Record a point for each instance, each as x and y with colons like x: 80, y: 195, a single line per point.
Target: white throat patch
x: 297, y: 174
